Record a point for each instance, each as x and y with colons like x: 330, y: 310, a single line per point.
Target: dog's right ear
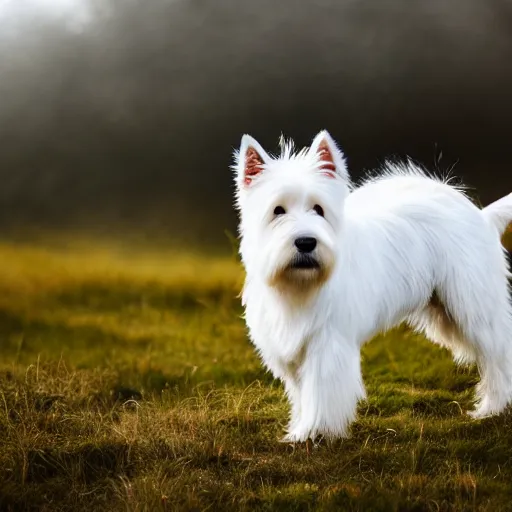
x: 250, y: 161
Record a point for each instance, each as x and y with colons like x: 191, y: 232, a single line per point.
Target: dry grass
x: 127, y: 383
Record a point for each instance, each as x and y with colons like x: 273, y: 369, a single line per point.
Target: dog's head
x: 291, y: 210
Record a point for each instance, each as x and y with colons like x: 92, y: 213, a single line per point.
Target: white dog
x: 329, y: 266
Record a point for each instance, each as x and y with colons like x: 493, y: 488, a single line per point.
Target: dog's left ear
x: 332, y: 160
x: 250, y: 161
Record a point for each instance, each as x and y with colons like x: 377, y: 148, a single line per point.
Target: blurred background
x: 119, y: 117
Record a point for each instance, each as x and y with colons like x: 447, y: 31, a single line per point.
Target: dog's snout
x: 305, y: 244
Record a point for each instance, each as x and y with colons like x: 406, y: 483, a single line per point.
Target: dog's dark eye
x: 319, y: 210
x: 279, y: 210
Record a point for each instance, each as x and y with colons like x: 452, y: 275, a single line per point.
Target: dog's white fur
x: 401, y: 247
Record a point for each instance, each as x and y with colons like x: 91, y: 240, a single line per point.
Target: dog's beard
x: 304, y: 272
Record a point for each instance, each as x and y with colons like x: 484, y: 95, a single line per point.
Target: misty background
x: 121, y: 116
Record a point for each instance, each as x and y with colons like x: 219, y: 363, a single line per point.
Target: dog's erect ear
x: 250, y: 161
x: 332, y: 161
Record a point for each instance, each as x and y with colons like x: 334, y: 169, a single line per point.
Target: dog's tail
x: 499, y: 214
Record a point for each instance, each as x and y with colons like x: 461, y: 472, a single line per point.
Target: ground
x: 127, y: 382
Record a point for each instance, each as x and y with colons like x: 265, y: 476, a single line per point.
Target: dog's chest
x: 281, y: 334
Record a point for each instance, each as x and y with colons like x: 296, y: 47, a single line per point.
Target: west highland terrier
x: 328, y: 266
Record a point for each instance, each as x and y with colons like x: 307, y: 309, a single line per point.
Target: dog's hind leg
x: 438, y: 325
x: 483, y: 339
x: 478, y: 301
x: 494, y: 360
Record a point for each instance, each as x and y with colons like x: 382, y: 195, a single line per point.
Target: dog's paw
x: 295, y: 436
x: 479, y: 414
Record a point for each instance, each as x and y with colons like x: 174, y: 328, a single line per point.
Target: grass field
x: 127, y: 383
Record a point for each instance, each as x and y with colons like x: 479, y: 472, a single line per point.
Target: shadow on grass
x: 86, y: 463
x: 155, y: 382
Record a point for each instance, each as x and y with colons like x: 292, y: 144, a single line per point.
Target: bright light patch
x: 75, y: 14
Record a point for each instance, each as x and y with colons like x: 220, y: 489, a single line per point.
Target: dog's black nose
x: 305, y: 244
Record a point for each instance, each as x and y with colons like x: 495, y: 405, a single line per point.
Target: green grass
x: 127, y: 383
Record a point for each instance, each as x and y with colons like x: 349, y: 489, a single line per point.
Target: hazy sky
x: 124, y: 113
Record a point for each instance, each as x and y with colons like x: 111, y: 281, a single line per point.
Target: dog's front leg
x: 292, y: 390
x: 330, y: 386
